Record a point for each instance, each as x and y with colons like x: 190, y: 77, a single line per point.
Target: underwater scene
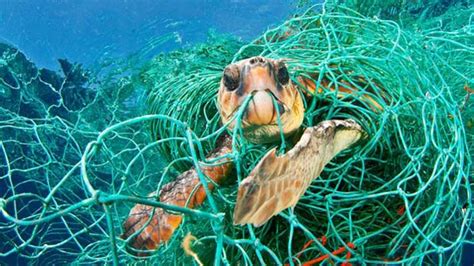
x: 236, y: 132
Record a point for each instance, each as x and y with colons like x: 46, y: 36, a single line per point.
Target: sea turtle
x: 278, y: 181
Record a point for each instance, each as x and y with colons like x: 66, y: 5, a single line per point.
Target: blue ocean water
x: 87, y: 31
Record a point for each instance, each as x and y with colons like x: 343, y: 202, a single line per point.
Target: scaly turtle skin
x: 277, y: 182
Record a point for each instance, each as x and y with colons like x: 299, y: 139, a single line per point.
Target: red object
x: 401, y: 210
x: 468, y: 89
x: 338, y: 251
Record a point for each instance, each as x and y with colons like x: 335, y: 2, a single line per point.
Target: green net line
x: 403, y: 196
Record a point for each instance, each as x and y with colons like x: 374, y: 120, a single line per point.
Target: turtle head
x: 272, y: 91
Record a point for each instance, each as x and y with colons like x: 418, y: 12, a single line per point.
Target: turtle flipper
x: 147, y: 227
x: 278, y: 182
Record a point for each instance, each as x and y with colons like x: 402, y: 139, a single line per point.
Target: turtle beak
x: 264, y: 108
x: 275, y: 104
x: 259, y: 80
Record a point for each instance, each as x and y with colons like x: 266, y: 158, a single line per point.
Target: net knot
x: 96, y: 196
x: 220, y: 217
x: 401, y: 192
x: 328, y: 199
x: 390, y: 110
x: 440, y: 250
x: 415, y: 159
x: 217, y: 224
x: 292, y: 219
x: 257, y: 244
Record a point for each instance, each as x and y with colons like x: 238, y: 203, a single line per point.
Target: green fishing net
x: 72, y: 164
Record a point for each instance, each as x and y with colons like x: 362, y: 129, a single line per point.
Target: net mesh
x: 77, y: 152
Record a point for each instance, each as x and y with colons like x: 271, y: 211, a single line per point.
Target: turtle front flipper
x: 278, y: 182
x: 147, y: 227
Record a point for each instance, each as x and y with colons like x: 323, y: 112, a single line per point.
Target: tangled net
x: 71, y: 170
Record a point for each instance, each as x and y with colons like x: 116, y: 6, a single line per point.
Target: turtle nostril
x: 257, y: 60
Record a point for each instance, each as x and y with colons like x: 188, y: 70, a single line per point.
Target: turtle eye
x: 231, y: 77
x: 283, y: 76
